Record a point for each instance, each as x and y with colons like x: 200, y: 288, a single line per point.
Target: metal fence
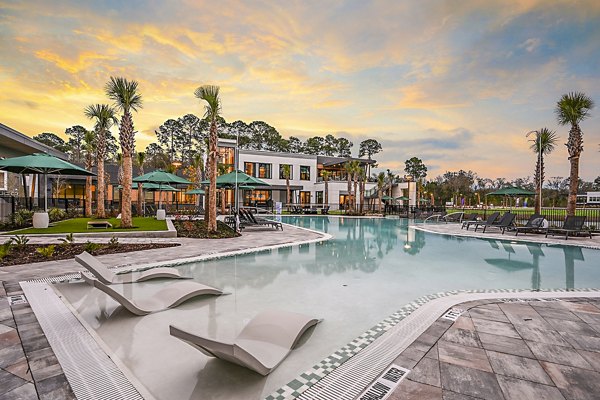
x: 554, y: 215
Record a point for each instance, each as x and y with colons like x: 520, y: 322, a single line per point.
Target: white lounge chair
x: 106, y: 276
x: 168, y: 297
x: 261, y: 346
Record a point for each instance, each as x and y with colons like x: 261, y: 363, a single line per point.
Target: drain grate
x: 453, y: 314
x: 17, y: 299
x: 385, y: 384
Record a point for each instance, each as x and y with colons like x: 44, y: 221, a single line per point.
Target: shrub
x: 113, y: 242
x: 74, y: 212
x: 47, y: 251
x: 20, y: 241
x: 5, y: 249
x: 68, y: 240
x: 56, y: 214
x: 91, y: 247
x: 21, y: 218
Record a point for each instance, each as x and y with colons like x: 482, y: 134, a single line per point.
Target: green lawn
x: 79, y: 225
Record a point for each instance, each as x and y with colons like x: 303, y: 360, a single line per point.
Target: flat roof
x: 19, y: 144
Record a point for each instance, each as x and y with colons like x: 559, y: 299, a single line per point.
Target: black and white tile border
x: 296, y: 387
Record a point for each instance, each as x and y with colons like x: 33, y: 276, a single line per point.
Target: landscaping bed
x: 80, y: 225
x: 31, y: 253
x: 197, y: 229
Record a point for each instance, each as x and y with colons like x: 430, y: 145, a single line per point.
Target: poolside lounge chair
x: 468, y: 218
x: 573, y: 225
x: 168, y: 297
x: 325, y: 210
x: 507, y: 220
x: 535, y: 223
x: 261, y: 221
x: 491, y: 219
x: 261, y: 346
x: 106, y: 276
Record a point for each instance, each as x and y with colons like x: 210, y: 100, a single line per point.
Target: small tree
x: 415, y: 167
x: 543, y: 144
x: 369, y: 148
x: 287, y: 172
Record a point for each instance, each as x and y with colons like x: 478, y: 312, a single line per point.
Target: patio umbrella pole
x: 46, y: 193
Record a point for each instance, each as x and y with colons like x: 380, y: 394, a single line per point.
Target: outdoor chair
x: 261, y: 346
x: 534, y: 224
x: 106, y: 276
x: 168, y: 297
x: 507, y: 220
x: 454, y: 217
x: 325, y: 210
x: 263, y: 221
x: 573, y: 225
x: 468, y: 218
x: 491, y: 219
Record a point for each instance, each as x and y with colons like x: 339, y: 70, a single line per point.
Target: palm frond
x: 104, y: 115
x: 572, y: 108
x: 545, y: 142
x: 124, y: 93
x: 210, y: 94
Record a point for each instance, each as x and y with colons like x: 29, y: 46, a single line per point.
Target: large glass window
x: 304, y: 197
x: 319, y: 197
x: 249, y: 168
x: 264, y: 171
x: 282, y: 175
x: 227, y: 157
x: 305, y: 173
x: 256, y: 197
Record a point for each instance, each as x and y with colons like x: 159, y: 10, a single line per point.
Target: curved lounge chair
x: 261, y: 346
x: 168, y: 297
x: 106, y: 276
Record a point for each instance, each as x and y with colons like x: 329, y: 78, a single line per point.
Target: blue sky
x: 456, y: 83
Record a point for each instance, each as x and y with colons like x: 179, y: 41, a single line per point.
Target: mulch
x: 28, y: 253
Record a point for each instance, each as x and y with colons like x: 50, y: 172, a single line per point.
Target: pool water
x: 370, y: 269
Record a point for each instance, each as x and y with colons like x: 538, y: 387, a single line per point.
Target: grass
x: 79, y: 225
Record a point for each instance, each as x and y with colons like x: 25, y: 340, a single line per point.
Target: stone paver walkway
x: 507, y: 351
x: 28, y: 367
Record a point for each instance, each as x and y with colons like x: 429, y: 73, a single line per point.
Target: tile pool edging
x: 300, y: 387
x: 522, y: 239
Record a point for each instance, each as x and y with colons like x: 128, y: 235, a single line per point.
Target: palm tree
x: 390, y: 179
x: 89, y: 148
x: 126, y: 97
x: 140, y: 159
x: 355, y: 165
x: 120, y: 175
x: 326, y: 174
x: 105, y: 118
x: 380, y: 187
x: 287, y: 172
x: 572, y: 108
x: 544, y: 144
x: 210, y: 94
x: 348, y: 168
x: 362, y: 176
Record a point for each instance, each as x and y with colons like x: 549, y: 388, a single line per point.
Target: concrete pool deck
x: 53, y: 385
x: 28, y: 367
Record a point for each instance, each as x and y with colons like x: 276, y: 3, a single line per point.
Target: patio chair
x: 261, y: 346
x: 507, y: 220
x: 491, y: 219
x: 454, y: 217
x: 168, y: 297
x: 573, y: 225
x: 534, y: 224
x: 468, y: 218
x: 325, y: 210
x: 106, y: 276
x: 262, y: 221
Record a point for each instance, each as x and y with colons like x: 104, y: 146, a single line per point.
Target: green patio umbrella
x: 161, y: 178
x: 45, y: 164
x: 195, y: 191
x: 240, y: 178
x: 154, y: 187
x: 511, y: 191
x: 386, y: 198
x: 403, y: 198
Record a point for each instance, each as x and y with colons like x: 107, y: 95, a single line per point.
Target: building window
x: 305, y: 173
x: 249, y: 168
x: 256, y: 197
x: 281, y: 175
x: 227, y: 157
x: 264, y: 171
x: 3, y: 180
x: 304, y: 197
x: 319, y: 197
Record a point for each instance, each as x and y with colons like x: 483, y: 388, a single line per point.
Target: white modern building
x: 306, y: 182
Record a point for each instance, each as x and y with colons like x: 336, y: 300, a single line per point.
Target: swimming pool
x: 370, y: 269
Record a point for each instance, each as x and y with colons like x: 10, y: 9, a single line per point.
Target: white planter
x: 161, y: 215
x: 40, y: 220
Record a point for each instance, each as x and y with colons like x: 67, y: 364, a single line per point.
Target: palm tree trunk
x: 573, y: 184
x: 88, y: 196
x: 126, y: 221
x: 289, y: 193
x: 362, y: 196
x: 326, y: 193
x: 380, y: 192
x: 354, y: 202
x: 538, y: 167
x: 222, y: 201
x: 212, y: 194
x: 100, y: 211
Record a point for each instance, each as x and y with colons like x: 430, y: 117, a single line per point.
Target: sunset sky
x: 455, y: 83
